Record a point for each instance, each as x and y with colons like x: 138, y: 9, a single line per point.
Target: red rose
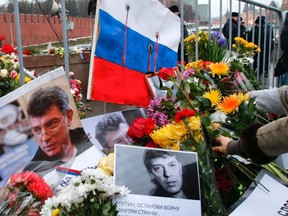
x: 8, y: 49
x: 2, y: 37
x: 166, y: 73
x: 184, y: 113
x: 141, y: 127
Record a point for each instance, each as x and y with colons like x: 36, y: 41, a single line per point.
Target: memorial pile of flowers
x: 24, y: 194
x: 75, y: 88
x: 9, y: 70
x: 208, y: 102
x: 210, y: 47
x: 183, y: 122
x: 93, y: 192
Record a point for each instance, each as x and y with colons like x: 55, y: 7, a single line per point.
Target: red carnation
x: 184, y: 114
x: 141, y: 127
x: 166, y: 73
x: 151, y: 144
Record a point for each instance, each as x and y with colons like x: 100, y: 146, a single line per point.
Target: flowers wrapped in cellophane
x: 24, y: 194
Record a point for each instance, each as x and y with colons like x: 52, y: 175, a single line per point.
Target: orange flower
x: 219, y: 69
x: 229, y: 104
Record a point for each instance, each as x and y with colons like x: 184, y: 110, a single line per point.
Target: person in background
x: 50, y: 118
x: 234, y: 27
x: 261, y: 143
x: 264, y: 40
x: 167, y: 172
x: 175, y: 10
x: 92, y: 7
x: 112, y: 129
x: 243, y: 29
x: 284, y: 48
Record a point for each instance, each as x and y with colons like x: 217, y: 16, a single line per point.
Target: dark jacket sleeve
x: 247, y: 146
x: 284, y: 39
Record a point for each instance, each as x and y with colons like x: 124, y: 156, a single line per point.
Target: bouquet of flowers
x: 210, y: 48
x: 9, y: 70
x: 93, y: 192
x: 183, y: 122
x: 75, y: 88
x: 191, y: 119
x: 241, y: 58
x: 24, y: 194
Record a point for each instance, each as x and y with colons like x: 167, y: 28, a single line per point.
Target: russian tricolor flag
x: 134, y: 37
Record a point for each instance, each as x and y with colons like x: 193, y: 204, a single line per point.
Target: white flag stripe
x: 147, y: 17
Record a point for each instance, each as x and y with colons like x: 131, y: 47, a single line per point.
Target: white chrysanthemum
x: 91, y: 181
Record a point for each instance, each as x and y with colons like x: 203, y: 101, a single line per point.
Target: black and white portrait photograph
x: 157, y: 172
x: 108, y: 129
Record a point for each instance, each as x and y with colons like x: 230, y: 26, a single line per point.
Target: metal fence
x: 267, y: 38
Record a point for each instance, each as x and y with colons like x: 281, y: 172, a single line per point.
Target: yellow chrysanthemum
x: 243, y: 97
x: 219, y: 69
x: 190, y: 38
x: 258, y: 50
x: 250, y: 45
x: 55, y: 212
x: 197, y: 66
x: 198, y: 136
x: 214, y: 96
x: 234, y: 46
x: 175, y: 146
x: 169, y: 134
x: 194, y: 123
x: 229, y: 104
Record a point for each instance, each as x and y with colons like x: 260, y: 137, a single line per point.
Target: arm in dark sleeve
x: 247, y: 146
x: 284, y: 39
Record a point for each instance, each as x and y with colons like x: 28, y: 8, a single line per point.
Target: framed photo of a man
x: 55, y: 131
x: 108, y: 129
x: 160, y: 177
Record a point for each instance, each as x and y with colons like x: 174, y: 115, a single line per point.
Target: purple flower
x: 222, y: 42
x: 187, y: 73
x: 214, y: 34
x: 160, y: 118
x: 153, y: 106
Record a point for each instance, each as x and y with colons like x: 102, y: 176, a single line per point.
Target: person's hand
x: 222, y: 147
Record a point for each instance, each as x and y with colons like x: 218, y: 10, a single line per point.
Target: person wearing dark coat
x: 284, y: 48
x: 92, y: 7
x: 175, y: 10
x: 234, y: 29
x: 261, y: 35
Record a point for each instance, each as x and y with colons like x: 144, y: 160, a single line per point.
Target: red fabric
x: 116, y: 84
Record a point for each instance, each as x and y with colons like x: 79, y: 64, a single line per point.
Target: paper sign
x: 264, y: 203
